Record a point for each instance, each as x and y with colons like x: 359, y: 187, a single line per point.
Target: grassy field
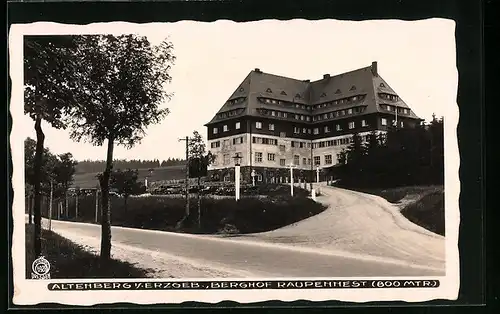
x: 69, y: 260
x: 423, y: 205
x: 89, y: 180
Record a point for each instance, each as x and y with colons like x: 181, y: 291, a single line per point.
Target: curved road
x: 330, y: 244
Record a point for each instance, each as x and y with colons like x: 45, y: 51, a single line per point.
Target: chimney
x: 258, y: 70
x: 326, y: 76
x: 374, y: 68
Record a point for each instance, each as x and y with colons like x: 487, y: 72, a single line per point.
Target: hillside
x: 89, y: 180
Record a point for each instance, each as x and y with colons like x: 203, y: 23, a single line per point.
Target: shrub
x: 247, y: 215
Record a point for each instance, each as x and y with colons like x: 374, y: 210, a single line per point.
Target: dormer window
x: 353, y: 88
x: 382, y: 85
x: 323, y: 95
x: 215, y: 130
x: 283, y: 93
x: 241, y: 89
x: 225, y: 128
x: 337, y: 91
x: 269, y: 90
x: 297, y: 96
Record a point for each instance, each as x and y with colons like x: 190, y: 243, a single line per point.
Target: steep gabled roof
x: 365, y: 82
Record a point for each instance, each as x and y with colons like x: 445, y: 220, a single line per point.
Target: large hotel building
x: 273, y: 122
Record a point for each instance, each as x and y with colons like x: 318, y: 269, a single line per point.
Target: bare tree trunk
x: 199, y: 202
x: 66, y: 209
x: 40, y: 137
x: 76, y: 206
x: 30, y: 208
x: 105, y: 204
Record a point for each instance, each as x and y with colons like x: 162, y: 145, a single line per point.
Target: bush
x: 247, y: 215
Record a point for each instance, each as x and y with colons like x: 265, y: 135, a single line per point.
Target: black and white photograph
x: 266, y: 160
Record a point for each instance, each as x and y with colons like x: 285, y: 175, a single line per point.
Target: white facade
x: 279, y: 154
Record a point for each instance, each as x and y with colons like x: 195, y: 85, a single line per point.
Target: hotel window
x: 282, y: 134
x: 296, y: 130
x: 215, y: 130
x: 271, y: 157
x: 304, y: 161
x: 354, y: 98
x: 225, y: 143
x: 384, y: 121
x: 302, y: 118
x: 225, y: 128
x: 296, y: 160
x: 309, y: 161
x: 258, y: 157
x: 351, y: 125
x: 297, y: 117
x: 316, y: 131
x: 338, y: 128
x: 402, y: 124
x: 363, y: 123
x: 317, y: 160
x: 304, y: 130
x: 282, y: 162
x: 285, y: 114
x: 325, y: 116
x: 327, y: 129
x: 328, y: 159
x: 309, y: 131
x: 308, y: 118
x: 349, y: 111
x: 215, y: 144
x: 405, y: 111
x: 308, y: 145
x: 227, y: 159
x: 331, y: 114
x: 271, y: 127
x: 238, y: 140
x: 282, y: 148
x: 273, y: 113
x: 301, y: 144
x: 292, y: 143
x: 258, y: 125
x: 238, y: 125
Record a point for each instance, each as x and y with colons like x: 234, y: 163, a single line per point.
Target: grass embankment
x: 248, y: 215
x: 69, y: 260
x: 422, y: 205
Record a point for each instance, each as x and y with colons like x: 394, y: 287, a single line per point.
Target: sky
x: 416, y: 58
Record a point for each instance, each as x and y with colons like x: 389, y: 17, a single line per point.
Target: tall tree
x: 125, y: 182
x: 121, y: 87
x: 48, y: 86
x: 64, y: 172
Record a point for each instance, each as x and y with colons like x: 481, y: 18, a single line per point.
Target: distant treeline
x: 91, y: 166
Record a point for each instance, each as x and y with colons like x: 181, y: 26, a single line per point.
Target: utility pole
x: 187, y: 173
x: 96, y: 203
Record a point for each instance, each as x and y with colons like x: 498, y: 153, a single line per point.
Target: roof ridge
x: 280, y: 76
x: 343, y: 73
